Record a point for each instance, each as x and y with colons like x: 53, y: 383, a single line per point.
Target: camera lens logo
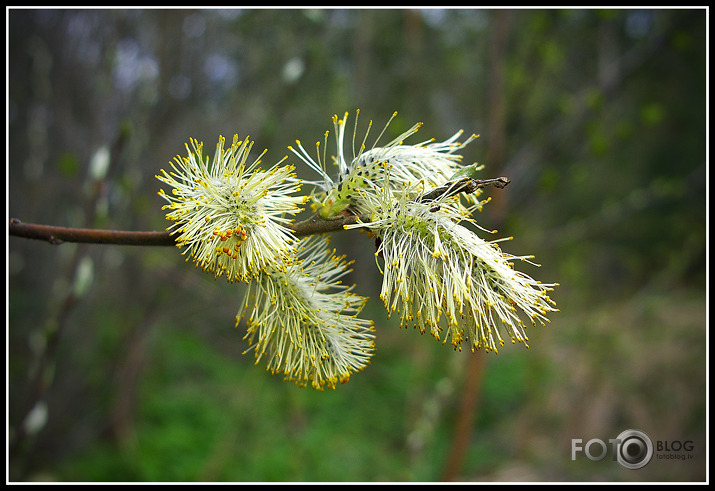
x: 635, y: 449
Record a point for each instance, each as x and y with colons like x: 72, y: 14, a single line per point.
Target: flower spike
x: 395, y: 165
x: 303, y: 320
x: 440, y: 276
x: 230, y: 215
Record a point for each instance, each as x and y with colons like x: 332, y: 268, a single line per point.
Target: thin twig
x: 464, y: 185
x: 57, y: 235
x: 314, y: 225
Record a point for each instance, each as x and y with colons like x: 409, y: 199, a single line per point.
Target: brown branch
x: 311, y: 226
x: 464, y: 185
x: 57, y: 235
x: 316, y: 225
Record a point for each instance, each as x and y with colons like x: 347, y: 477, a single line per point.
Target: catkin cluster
x: 231, y: 217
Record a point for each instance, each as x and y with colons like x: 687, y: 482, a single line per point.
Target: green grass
x: 204, y: 414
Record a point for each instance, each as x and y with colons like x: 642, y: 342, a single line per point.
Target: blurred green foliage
x: 601, y: 114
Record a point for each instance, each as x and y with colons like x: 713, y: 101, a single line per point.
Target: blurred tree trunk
x: 475, y: 365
